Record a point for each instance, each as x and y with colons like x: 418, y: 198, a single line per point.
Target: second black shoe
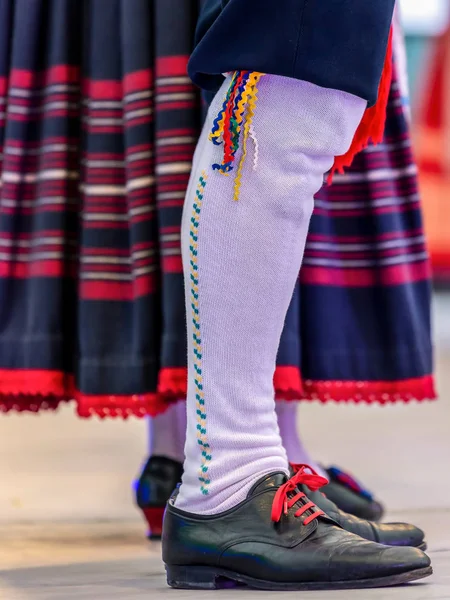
x: 156, y: 482
x: 277, y: 539
x: 350, y: 496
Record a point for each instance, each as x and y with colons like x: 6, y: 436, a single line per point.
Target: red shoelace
x: 283, y: 502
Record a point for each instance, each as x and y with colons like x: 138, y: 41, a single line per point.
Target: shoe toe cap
x: 400, y: 534
x: 394, y: 561
x: 359, y: 559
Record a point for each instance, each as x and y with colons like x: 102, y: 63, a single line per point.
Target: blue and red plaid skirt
x: 98, y: 124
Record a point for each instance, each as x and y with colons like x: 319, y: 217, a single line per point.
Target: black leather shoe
x: 389, y: 534
x: 157, y: 481
x: 350, y: 496
x: 277, y: 539
x: 161, y: 475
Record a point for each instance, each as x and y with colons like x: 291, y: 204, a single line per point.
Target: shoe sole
x: 208, y: 578
x: 157, y: 538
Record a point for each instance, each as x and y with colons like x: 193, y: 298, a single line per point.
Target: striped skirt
x: 98, y: 124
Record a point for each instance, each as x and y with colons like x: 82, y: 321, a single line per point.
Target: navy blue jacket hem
x: 339, y: 44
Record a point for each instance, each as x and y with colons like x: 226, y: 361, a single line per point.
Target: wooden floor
x: 68, y: 528
x: 109, y: 562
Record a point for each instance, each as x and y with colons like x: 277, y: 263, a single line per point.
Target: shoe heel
x: 191, y: 578
x: 154, y: 518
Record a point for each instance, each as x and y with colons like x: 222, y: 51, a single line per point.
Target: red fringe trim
x: 28, y: 403
x: 34, y: 391
x: 373, y: 122
x: 25, y: 382
x: 172, y: 383
x: 371, y: 392
x: 290, y: 386
x: 120, y: 407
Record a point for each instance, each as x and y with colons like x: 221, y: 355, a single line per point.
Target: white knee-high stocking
x: 241, y: 260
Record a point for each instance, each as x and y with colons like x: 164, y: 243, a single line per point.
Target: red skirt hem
x: 33, y: 391
x: 37, y: 390
x: 120, y: 407
x: 172, y: 383
x: 371, y: 392
x: 290, y: 386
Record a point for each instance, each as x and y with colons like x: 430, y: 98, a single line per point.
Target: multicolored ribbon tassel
x: 234, y: 122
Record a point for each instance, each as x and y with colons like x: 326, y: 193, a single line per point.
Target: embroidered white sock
x: 291, y: 439
x: 241, y: 261
x: 167, y: 433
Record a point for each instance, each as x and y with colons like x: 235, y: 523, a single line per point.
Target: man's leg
x: 237, y: 515
x: 241, y: 261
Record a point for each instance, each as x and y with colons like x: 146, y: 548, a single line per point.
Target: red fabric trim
x: 169, y: 66
x: 33, y: 391
x: 116, y: 90
x: 392, y: 275
x: 373, y: 122
x: 288, y: 383
x: 27, y: 403
x: 122, y: 407
x: 24, y: 382
x: 138, y: 81
x: 45, y: 268
x: 371, y: 392
x: 172, y: 383
x: 27, y: 79
x: 116, y: 290
x: 171, y: 264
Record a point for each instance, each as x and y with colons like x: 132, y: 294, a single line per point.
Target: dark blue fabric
x: 339, y: 44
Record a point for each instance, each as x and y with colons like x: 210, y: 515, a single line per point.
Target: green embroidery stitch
x: 201, y: 414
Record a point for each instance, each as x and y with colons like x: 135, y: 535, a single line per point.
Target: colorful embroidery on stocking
x: 256, y: 144
x: 199, y: 395
x: 235, y: 117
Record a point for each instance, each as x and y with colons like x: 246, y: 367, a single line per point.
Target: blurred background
x: 69, y: 470
x: 428, y: 52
